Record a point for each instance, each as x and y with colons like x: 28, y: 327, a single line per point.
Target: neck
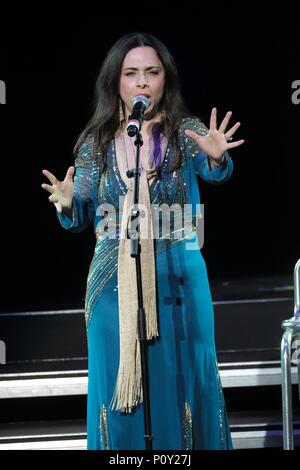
x: 147, y: 124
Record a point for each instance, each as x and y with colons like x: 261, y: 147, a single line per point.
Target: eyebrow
x: 147, y: 68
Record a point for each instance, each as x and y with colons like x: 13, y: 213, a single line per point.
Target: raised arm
x: 75, y: 200
x: 208, y: 148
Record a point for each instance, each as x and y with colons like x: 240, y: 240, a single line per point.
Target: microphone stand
x: 142, y: 332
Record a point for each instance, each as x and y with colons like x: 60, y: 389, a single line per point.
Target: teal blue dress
x: 187, y: 403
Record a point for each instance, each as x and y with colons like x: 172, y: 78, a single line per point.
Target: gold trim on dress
x: 187, y: 427
x: 104, y: 443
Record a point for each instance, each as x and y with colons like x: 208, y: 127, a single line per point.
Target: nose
x: 142, y: 81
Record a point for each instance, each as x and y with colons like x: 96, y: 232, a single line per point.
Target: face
x: 142, y: 73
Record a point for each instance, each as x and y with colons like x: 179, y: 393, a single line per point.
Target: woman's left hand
x: 215, y: 142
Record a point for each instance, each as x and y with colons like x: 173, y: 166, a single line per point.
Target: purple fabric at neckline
x: 156, y: 154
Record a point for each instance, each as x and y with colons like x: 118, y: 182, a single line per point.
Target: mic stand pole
x: 142, y: 332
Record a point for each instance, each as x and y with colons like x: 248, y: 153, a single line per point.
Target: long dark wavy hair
x: 105, y: 119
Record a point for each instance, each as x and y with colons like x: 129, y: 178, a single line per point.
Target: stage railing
x: 290, y: 346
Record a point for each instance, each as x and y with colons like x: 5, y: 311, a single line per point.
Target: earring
x: 121, y: 111
x: 163, y: 114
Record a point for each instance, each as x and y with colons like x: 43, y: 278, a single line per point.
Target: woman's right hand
x: 61, y: 191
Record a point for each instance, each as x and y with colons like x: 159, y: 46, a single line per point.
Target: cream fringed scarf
x: 128, y: 392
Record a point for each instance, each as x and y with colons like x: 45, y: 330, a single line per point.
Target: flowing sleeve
x: 199, y: 158
x: 85, y: 190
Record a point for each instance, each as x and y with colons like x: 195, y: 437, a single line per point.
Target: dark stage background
x: 245, y: 63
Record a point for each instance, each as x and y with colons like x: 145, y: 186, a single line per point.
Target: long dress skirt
x: 186, y: 397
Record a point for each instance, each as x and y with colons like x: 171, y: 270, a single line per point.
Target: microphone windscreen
x: 141, y: 99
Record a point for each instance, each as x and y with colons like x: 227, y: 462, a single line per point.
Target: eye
x: 129, y: 73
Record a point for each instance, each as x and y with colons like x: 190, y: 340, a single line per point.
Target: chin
x: 150, y: 113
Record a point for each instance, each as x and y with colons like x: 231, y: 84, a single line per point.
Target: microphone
x: 139, y: 104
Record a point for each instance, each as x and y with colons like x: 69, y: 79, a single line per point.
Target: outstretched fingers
x: 48, y: 188
x: 232, y: 130
x: 70, y: 173
x: 213, y: 119
x: 235, y: 144
x: 193, y: 135
x: 53, y: 198
x: 225, y: 122
x: 50, y: 176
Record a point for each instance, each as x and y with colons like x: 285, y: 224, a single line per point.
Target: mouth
x: 145, y: 94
